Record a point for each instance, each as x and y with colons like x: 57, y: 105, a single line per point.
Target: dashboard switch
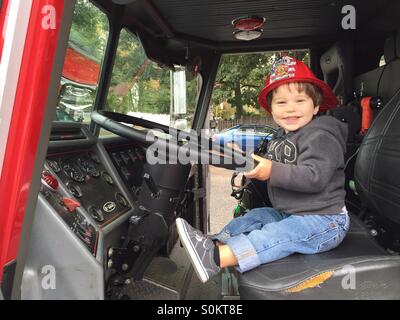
x: 96, y: 213
x: 151, y: 185
x: 75, y: 190
x: 49, y: 181
x: 71, y: 204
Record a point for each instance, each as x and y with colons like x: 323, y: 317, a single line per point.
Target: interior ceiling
x: 211, y: 20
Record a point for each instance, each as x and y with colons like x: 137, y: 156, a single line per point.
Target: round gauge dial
x: 73, y: 172
x: 54, y: 165
x: 89, y: 167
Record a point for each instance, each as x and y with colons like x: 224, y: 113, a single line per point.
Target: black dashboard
x: 98, y: 187
x: 91, y: 184
x: 103, y: 210
x: 83, y: 184
x: 89, y: 199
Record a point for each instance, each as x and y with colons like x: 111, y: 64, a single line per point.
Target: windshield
x: 144, y: 89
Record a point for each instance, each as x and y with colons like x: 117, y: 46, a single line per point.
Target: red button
x: 71, y: 204
x: 49, y: 181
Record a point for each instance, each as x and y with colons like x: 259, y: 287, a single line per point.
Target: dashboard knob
x: 96, y: 214
x: 75, y: 190
x: 121, y: 200
x: 107, y: 178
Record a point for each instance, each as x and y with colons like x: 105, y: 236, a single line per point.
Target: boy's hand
x: 262, y: 171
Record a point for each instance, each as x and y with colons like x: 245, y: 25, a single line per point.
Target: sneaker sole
x: 194, y: 257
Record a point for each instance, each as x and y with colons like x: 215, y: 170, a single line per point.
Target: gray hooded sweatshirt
x: 307, y: 175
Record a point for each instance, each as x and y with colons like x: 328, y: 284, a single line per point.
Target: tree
x: 139, y: 84
x: 239, y: 80
x: 89, y: 30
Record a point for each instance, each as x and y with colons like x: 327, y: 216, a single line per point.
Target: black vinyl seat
x: 382, y: 81
x: 359, y: 254
x: 328, y: 275
x: 337, y: 69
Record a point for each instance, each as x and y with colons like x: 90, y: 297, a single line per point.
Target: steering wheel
x: 199, y: 150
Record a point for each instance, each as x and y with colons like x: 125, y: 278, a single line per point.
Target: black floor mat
x: 165, y: 278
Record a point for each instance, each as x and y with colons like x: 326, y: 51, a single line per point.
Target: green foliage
x: 89, y: 30
x: 138, y: 84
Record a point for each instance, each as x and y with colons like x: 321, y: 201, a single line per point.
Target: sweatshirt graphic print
x: 307, y: 175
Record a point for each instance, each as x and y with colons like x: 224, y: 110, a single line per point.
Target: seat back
x: 377, y: 169
x: 336, y: 65
x: 385, y: 80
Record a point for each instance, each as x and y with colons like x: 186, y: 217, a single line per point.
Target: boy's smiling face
x: 292, y: 109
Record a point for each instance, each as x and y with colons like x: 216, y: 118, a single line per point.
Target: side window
x: 85, y: 53
x: 141, y: 88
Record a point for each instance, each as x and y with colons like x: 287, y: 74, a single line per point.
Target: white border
x: 15, y: 27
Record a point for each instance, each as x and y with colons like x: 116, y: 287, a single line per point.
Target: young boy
x: 304, y: 167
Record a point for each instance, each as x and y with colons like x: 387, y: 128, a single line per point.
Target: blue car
x: 245, y: 136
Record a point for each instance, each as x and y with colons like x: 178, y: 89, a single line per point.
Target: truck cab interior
x: 104, y: 217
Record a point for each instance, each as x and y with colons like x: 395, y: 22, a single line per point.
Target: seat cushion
x: 342, y: 273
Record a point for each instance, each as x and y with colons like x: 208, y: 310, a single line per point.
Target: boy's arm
x: 319, y: 157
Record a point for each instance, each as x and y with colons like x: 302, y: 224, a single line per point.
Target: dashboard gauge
x: 107, y: 178
x: 89, y: 167
x: 73, y: 172
x: 54, y: 165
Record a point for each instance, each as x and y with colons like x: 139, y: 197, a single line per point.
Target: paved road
x: 221, y: 203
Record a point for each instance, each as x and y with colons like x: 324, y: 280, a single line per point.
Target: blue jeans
x: 264, y: 235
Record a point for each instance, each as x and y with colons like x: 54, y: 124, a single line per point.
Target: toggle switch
x: 71, y: 204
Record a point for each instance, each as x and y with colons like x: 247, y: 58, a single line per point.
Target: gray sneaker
x: 200, y: 250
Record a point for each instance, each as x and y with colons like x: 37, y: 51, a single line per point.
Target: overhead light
x: 247, y: 34
x: 248, y: 28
